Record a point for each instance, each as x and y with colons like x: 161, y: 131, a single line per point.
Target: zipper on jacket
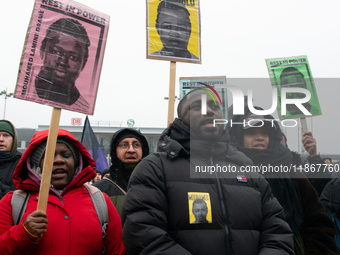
x: 223, y: 211
x: 212, y: 150
x: 61, y: 199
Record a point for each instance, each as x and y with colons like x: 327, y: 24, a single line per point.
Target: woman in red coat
x: 70, y: 224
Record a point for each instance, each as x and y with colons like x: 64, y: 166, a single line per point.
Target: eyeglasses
x: 125, y: 146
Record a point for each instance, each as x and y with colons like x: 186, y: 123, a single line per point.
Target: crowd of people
x: 191, y: 196
x: 159, y: 203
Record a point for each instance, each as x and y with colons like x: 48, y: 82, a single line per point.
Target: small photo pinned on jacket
x: 199, y: 208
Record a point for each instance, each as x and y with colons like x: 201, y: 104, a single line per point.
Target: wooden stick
x: 172, y: 87
x: 49, y: 158
x: 304, y: 124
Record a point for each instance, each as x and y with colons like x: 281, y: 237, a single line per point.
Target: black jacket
x: 318, y: 179
x: 7, y: 166
x: 157, y: 219
x: 330, y: 196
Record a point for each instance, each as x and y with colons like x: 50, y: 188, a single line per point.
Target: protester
x: 105, y: 173
x: 128, y: 146
x: 328, y: 164
x: 260, y: 139
x: 98, y: 176
x: 157, y: 212
x: 310, y: 165
x: 70, y: 224
x: 328, y: 161
x: 320, y: 178
x: 330, y: 196
x: 330, y: 199
x: 9, y: 156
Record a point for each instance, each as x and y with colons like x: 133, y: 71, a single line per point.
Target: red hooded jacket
x: 73, y: 226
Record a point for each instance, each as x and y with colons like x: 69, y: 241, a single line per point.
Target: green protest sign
x: 293, y: 72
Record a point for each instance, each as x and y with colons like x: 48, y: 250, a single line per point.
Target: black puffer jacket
x: 245, y: 217
x: 330, y: 196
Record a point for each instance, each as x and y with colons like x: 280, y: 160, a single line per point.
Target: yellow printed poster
x: 173, y: 30
x: 199, y: 208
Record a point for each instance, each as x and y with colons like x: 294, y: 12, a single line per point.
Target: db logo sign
x: 76, y: 121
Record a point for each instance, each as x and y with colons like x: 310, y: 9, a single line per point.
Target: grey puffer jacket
x: 243, y: 216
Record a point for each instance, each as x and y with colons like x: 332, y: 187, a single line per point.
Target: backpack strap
x: 116, y: 185
x: 101, y: 208
x: 19, y: 203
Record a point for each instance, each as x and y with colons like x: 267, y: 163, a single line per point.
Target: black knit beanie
x: 123, y: 136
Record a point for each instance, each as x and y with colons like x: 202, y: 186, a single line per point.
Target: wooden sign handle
x: 172, y: 87
x: 49, y: 158
x: 304, y: 124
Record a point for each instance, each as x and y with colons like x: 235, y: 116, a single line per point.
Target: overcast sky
x: 237, y: 37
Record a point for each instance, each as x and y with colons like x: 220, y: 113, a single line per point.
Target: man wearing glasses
x: 128, y: 146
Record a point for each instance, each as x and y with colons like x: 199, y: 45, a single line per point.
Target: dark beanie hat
x: 126, y: 135
x: 6, y: 127
x: 37, y: 154
x: 105, y: 171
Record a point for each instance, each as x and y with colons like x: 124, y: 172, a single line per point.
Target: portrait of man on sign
x: 64, y: 52
x: 174, y: 28
x: 200, y: 211
x: 291, y: 77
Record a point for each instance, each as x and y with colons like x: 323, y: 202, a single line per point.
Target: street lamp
x: 176, y: 98
x: 4, y: 92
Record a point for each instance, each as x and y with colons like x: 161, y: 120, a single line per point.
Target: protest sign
x: 173, y: 30
x: 199, y: 208
x: 208, y: 82
x: 62, y: 56
x: 293, y: 72
x: 60, y: 66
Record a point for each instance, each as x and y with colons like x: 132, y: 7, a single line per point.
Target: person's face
x: 174, y: 29
x: 293, y: 81
x: 327, y: 161
x: 6, y: 141
x: 63, y: 166
x: 202, y: 125
x: 256, y: 138
x: 97, y: 178
x: 200, y: 212
x: 106, y: 175
x: 65, y: 55
x: 129, y: 150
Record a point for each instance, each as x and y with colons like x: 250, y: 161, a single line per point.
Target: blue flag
x: 89, y: 140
